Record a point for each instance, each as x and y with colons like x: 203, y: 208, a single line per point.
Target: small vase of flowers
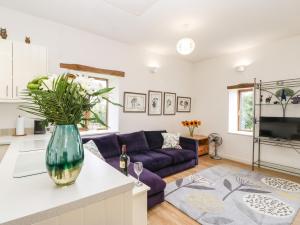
x: 64, y: 102
x: 192, y: 124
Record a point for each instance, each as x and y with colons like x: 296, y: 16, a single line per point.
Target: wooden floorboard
x: 166, y: 214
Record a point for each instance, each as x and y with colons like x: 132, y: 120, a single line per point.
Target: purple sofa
x: 145, y: 146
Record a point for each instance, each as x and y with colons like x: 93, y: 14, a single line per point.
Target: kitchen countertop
x: 6, y: 140
x: 31, y: 199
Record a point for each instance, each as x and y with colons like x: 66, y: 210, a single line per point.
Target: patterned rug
x: 225, y: 195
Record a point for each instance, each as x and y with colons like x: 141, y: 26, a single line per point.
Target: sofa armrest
x: 190, y: 144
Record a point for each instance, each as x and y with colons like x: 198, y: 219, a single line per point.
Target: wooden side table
x: 203, y: 144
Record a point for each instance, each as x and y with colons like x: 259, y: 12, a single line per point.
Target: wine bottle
x: 124, y: 161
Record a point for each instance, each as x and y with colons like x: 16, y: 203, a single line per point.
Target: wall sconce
x: 240, y: 68
x: 242, y: 65
x: 153, y: 69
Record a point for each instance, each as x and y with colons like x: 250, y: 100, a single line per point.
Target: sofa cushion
x: 176, y: 168
x: 149, y: 178
x: 134, y: 141
x: 177, y: 155
x: 113, y: 161
x: 108, y: 145
x: 155, y: 139
x: 151, y: 160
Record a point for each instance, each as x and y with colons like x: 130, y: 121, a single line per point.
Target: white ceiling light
x: 185, y: 46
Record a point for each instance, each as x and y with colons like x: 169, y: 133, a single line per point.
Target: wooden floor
x: 166, y: 214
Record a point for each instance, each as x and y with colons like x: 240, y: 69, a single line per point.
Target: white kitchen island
x: 100, y: 196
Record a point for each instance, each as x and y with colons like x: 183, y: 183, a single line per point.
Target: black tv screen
x: 280, y: 128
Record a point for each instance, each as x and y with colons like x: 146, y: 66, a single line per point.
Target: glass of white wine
x: 138, y: 169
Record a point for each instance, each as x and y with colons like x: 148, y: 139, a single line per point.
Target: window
x: 240, y: 113
x: 101, y: 109
x: 245, y: 109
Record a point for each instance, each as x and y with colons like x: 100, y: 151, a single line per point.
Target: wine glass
x: 128, y: 161
x: 138, y: 169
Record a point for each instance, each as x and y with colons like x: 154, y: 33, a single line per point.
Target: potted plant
x: 283, y: 93
x: 192, y: 124
x: 64, y: 102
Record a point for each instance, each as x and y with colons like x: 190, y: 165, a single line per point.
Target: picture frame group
x: 159, y: 103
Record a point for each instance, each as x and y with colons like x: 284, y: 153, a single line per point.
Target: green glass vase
x: 65, y: 155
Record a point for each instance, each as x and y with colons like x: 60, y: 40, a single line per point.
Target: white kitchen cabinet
x: 29, y: 61
x: 3, y: 149
x: 5, y: 69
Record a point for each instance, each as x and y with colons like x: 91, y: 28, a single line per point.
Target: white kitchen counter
x: 6, y: 140
x: 29, y: 200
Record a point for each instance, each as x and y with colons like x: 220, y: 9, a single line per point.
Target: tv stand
x: 270, y: 88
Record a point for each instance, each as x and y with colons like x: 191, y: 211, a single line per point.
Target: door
x: 29, y: 61
x: 5, y: 69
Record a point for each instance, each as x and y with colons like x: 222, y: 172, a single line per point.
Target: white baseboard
x: 237, y: 159
x: 248, y: 162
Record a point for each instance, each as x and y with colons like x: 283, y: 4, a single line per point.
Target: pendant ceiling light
x: 185, y: 46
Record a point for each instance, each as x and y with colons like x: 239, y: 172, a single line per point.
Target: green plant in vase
x: 64, y: 101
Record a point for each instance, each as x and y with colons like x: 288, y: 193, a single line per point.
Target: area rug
x: 225, y: 195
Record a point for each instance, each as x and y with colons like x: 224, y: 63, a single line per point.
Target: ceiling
x: 217, y: 26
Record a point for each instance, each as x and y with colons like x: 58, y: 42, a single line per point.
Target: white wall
x: 274, y: 61
x: 205, y: 82
x: 69, y: 45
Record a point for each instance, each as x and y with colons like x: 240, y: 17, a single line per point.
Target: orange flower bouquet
x: 192, y: 124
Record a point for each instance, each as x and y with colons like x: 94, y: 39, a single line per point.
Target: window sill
x: 95, y: 132
x: 244, y: 133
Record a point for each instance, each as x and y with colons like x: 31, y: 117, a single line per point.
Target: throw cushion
x: 134, y: 141
x: 107, y: 144
x: 92, y: 147
x: 171, y: 141
x: 155, y: 139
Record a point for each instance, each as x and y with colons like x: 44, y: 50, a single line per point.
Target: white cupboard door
x: 5, y: 69
x: 29, y: 61
x: 3, y: 149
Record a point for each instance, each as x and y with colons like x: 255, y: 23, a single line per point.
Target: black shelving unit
x: 271, y: 88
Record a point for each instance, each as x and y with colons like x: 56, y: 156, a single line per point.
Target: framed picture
x: 169, y: 103
x: 154, y: 103
x: 184, y: 104
x: 134, y: 102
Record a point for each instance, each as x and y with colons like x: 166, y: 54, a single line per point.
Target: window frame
x: 239, y: 93
x: 107, y: 106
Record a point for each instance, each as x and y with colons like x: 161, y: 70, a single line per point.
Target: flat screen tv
x: 287, y: 128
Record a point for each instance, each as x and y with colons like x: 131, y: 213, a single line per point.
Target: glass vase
x: 191, y: 131
x: 65, y: 155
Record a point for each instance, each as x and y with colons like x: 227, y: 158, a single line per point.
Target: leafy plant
x: 63, y: 99
x: 288, y: 92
